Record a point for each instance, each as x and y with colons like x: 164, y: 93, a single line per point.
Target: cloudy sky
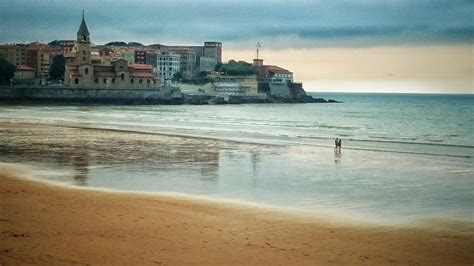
x: 422, y: 45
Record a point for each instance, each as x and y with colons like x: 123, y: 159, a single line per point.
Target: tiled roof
x: 276, y: 69
x: 141, y: 66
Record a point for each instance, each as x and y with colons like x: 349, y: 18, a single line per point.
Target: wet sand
x: 46, y: 224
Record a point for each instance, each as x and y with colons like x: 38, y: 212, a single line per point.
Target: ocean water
x: 405, y: 157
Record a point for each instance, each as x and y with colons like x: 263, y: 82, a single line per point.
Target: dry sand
x: 46, y: 224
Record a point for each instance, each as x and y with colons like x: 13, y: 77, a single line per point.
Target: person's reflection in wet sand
x: 80, y: 163
x: 337, y: 156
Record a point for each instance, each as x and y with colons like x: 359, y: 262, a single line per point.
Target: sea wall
x: 66, y: 94
x: 90, y: 94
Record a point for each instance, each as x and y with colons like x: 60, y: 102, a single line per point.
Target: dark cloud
x: 308, y: 23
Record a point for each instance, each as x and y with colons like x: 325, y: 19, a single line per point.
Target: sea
x: 405, y: 158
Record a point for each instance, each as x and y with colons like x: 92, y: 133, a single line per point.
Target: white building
x: 168, y: 64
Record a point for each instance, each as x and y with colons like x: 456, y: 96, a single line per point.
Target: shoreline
x: 52, y: 224
x: 430, y: 224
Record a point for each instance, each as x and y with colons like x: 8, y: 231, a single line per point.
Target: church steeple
x: 83, y: 34
x: 83, y: 43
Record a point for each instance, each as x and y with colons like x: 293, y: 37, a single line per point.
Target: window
x: 105, y: 81
x: 113, y: 80
x: 121, y: 68
x: 96, y: 80
x: 83, y: 52
x: 132, y: 81
x: 140, y: 81
x: 84, y: 58
x: 76, y: 81
x: 86, y: 71
x: 122, y: 77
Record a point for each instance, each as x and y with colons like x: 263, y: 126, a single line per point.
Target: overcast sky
x: 238, y: 23
x: 309, y: 30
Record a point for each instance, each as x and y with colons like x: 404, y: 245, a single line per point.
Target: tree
x: 54, y: 43
x: 202, y: 74
x: 7, y: 71
x: 56, y: 71
x: 177, y: 76
x: 234, y: 68
x: 116, y: 43
x: 134, y: 44
x: 218, y: 67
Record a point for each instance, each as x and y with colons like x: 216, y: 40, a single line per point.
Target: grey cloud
x: 365, y: 22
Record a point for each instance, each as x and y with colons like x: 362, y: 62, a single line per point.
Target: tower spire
x: 258, y: 47
x: 83, y: 32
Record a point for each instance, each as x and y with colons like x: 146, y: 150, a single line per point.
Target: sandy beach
x: 46, y: 224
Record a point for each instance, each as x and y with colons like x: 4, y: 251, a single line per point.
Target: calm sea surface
x: 405, y: 157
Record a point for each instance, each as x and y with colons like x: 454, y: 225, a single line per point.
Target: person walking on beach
x: 339, y: 144
x: 336, y: 143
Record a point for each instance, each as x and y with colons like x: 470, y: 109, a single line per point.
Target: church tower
x: 83, y: 56
x: 83, y: 44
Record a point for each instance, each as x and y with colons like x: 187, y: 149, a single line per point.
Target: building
x: 140, y: 56
x: 24, y: 73
x: 213, y: 49
x: 129, y: 56
x: 14, y: 53
x: 152, y: 58
x: 67, y: 46
x: 236, y: 85
x: 168, y: 64
x: 271, y: 73
x: 207, y: 63
x: 187, y: 60
x: 84, y: 71
x: 277, y: 77
x: 38, y: 58
x: 190, y: 54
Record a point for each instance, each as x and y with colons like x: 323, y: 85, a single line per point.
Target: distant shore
x: 57, y: 225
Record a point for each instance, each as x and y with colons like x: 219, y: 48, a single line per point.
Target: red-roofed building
x: 278, y: 78
x: 87, y: 71
x: 272, y: 73
x: 24, y: 73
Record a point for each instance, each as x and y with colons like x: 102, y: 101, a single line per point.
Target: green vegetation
x: 54, y: 43
x: 134, y: 44
x: 122, y: 43
x: 234, y: 68
x: 56, y: 71
x: 200, y: 79
x: 177, y: 76
x: 7, y: 71
x: 116, y: 43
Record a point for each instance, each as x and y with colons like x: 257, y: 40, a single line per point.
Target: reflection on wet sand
x: 79, y: 159
x: 389, y: 187
x: 81, y: 150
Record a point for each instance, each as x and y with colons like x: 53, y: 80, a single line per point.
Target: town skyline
x: 427, y: 42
